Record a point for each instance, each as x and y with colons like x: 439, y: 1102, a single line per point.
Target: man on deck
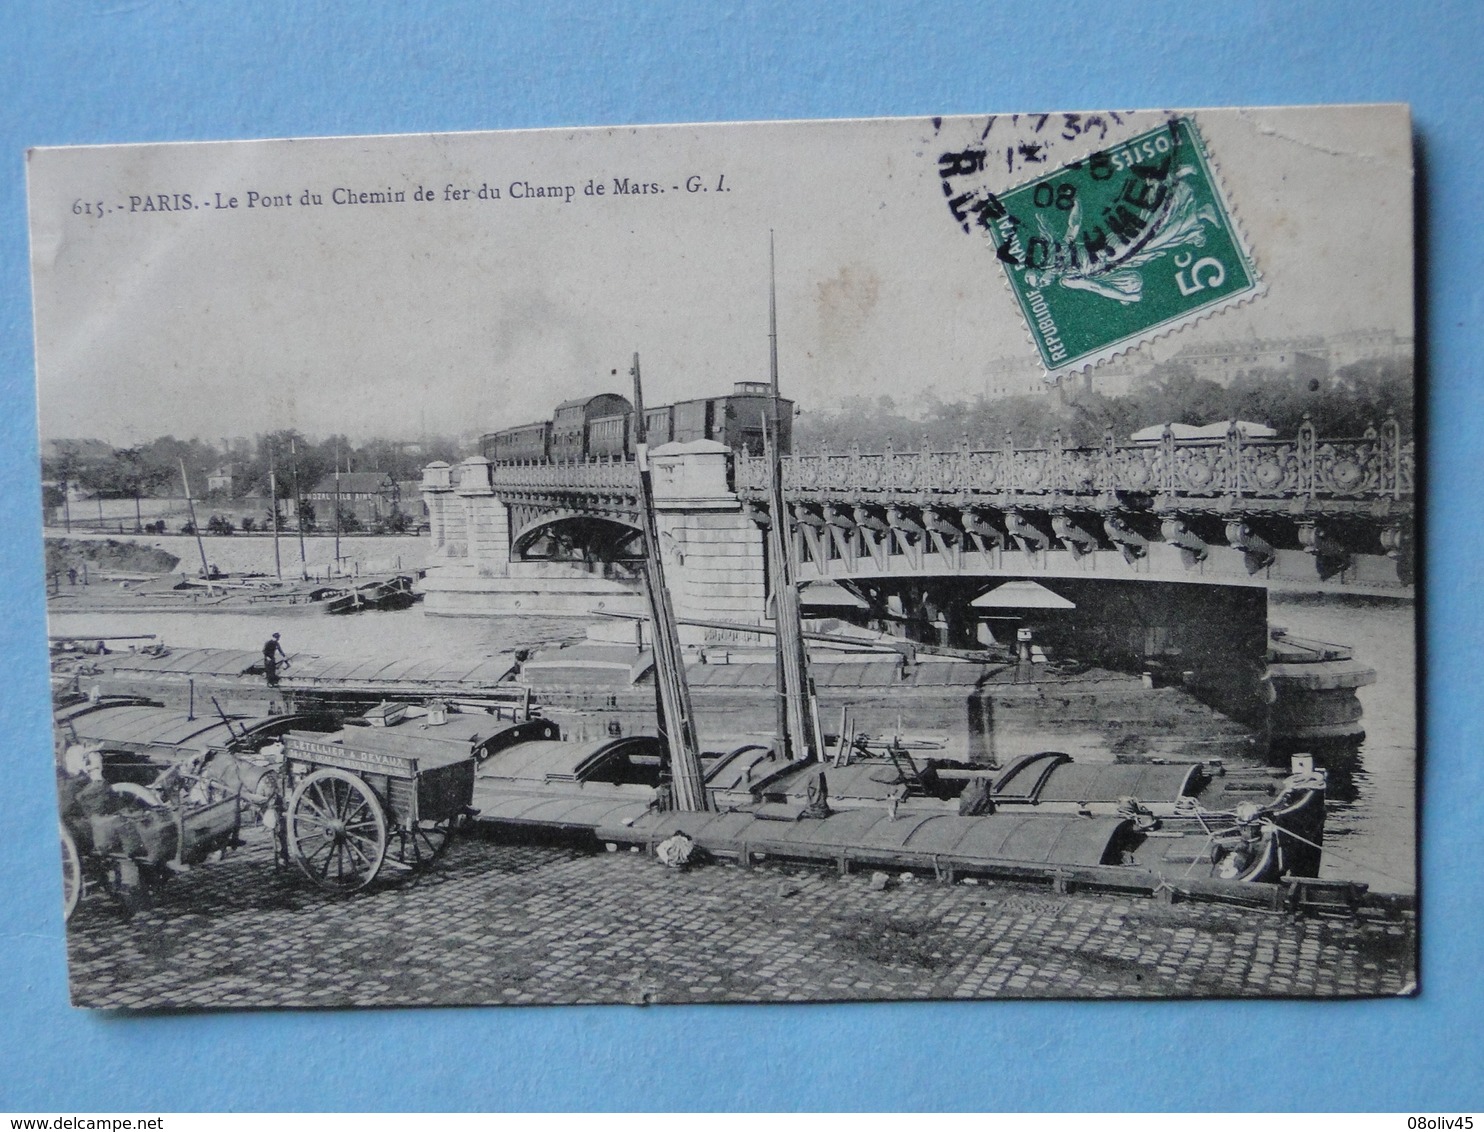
x: 272, y: 651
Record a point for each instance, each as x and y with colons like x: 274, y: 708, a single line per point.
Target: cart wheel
x: 71, y: 874
x: 423, y: 844
x: 336, y: 831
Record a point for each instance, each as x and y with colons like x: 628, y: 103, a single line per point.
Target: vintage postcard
x: 893, y: 559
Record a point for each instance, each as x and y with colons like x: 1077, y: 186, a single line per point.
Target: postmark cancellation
x: 1113, y: 249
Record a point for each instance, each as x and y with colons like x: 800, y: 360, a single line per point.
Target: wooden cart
x: 343, y: 806
x: 368, y: 797
x: 132, y: 850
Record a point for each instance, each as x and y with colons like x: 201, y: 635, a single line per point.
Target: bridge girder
x: 856, y: 541
x: 1177, y: 532
x: 1256, y: 550
x: 1072, y: 535
x: 1233, y: 507
x: 1122, y: 534
x: 1024, y: 531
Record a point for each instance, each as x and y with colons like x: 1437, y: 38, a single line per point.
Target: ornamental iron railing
x: 1377, y: 466
x: 584, y: 476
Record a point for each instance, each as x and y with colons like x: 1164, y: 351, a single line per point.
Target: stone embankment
x: 106, y: 555
x: 496, y: 923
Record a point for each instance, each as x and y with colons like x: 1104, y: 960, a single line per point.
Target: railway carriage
x: 603, y: 426
x: 609, y: 436
x: 738, y: 420
x: 571, y: 425
x: 524, y: 443
x: 659, y: 425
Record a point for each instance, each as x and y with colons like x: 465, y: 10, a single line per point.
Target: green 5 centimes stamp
x: 1119, y: 247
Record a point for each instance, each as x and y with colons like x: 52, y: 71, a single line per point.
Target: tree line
x: 1342, y: 404
x: 153, y: 470
x: 285, y: 464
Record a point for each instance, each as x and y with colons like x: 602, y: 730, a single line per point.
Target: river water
x: 1371, y: 833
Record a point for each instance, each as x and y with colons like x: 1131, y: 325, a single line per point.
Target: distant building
x: 1015, y: 377
x: 411, y: 501
x: 1310, y: 357
x: 219, y: 482
x: 1222, y: 361
x: 1117, y: 376
x: 370, y: 496
x: 1364, y: 345
x: 1025, y: 377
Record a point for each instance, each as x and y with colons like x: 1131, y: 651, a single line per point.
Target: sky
x: 457, y: 315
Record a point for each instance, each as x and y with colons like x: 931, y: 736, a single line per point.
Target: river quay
x: 529, y: 924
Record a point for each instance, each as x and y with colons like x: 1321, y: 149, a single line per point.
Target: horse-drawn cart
x: 340, y: 807
x: 368, y: 795
x: 129, y: 839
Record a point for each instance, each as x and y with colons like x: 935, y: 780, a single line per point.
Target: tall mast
x: 770, y: 429
x: 798, y: 715
x: 195, y: 526
x: 676, y: 718
x: 298, y: 505
x: 273, y: 508
x: 337, y: 503
x: 773, y: 328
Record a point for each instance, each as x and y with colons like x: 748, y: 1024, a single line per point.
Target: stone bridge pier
x: 713, y: 549
x: 490, y: 524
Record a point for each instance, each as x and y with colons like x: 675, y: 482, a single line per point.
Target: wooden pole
x: 298, y: 506
x: 337, y: 505
x: 195, y: 526
x: 780, y: 693
x: 677, y: 722
x: 641, y: 457
x: 273, y: 509
x: 800, y: 710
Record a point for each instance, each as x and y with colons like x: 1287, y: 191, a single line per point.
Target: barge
x: 1034, y: 819
x: 992, y: 714
x: 250, y: 593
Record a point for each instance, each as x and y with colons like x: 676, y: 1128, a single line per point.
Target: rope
x: 1188, y: 806
x: 1343, y: 856
x: 1197, y: 858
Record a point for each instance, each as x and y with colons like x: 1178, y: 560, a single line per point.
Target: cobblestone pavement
x: 497, y: 923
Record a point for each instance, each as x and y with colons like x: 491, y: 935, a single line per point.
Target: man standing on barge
x: 272, y: 652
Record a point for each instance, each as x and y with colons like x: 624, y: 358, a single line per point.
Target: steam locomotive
x: 603, y: 426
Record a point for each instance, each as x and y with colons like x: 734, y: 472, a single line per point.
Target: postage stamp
x: 1114, y: 249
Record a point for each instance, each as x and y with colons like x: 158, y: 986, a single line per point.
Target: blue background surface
x: 95, y: 71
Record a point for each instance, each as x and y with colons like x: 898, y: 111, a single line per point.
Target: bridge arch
x: 575, y: 536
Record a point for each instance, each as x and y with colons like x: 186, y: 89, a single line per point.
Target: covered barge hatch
x: 932, y: 842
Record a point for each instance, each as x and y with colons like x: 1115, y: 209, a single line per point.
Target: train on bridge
x: 603, y: 426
